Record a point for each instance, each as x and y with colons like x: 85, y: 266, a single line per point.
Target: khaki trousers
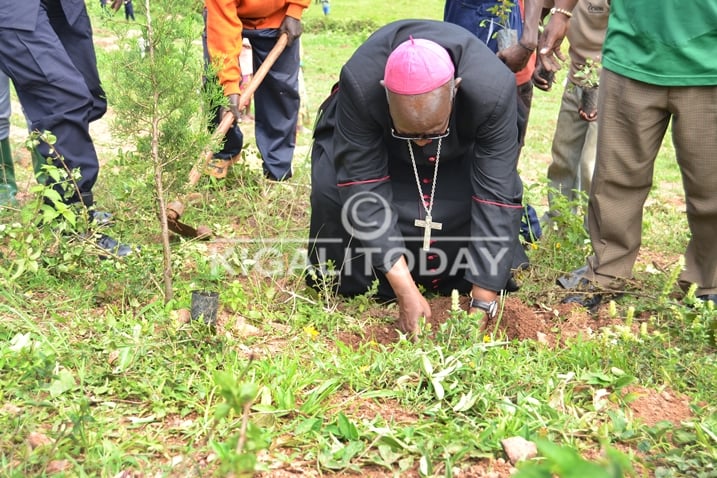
x: 574, y: 150
x: 633, y: 120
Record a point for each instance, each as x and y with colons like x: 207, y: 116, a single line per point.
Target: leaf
x: 20, y: 341
x: 340, y: 458
x: 438, y: 388
x: 141, y: 420
x: 623, y: 381
x: 310, y: 424
x: 247, y: 392
x: 347, y: 429
x: 708, y: 432
x: 395, y: 443
x: 65, y: 381
x: 597, y: 378
x: 683, y: 437
x: 123, y: 358
x: 466, y: 402
x: 427, y: 365
x: 424, y: 466
x: 221, y: 411
x: 555, y: 453
x: 388, y: 456
x: 583, y: 469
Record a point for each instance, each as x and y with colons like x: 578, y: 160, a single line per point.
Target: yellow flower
x: 534, y: 246
x: 311, y: 331
x: 557, y: 245
x: 486, y: 339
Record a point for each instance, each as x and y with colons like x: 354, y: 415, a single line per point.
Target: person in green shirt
x: 658, y: 66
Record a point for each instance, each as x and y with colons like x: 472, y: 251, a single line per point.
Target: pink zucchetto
x: 417, y: 66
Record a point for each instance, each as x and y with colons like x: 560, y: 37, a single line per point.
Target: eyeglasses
x: 420, y: 137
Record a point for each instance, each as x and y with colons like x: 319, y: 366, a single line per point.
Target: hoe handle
x: 228, y: 118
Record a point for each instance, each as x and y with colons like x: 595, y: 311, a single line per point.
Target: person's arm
x: 543, y: 79
x: 517, y: 56
x: 554, y: 33
x: 224, y: 42
x: 496, y: 203
x: 296, y: 8
x: 411, y: 303
x: 485, y: 298
x: 531, y: 23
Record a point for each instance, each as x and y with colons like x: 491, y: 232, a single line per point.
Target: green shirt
x: 664, y: 42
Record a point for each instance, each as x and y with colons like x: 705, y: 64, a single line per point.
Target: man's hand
x: 543, y: 79
x: 411, y: 303
x: 515, y: 57
x: 410, y: 310
x: 234, y: 105
x: 550, y: 41
x: 293, y: 29
x: 588, y: 116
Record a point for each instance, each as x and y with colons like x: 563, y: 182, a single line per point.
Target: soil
x: 550, y: 326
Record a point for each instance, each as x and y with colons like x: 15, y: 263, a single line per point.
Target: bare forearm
x: 399, y: 276
x: 530, y: 26
x: 566, y: 4
x: 480, y: 293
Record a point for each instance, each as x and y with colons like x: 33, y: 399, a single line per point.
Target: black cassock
x: 365, y: 198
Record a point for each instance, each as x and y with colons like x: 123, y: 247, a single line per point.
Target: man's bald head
x: 426, y: 113
x: 420, y: 85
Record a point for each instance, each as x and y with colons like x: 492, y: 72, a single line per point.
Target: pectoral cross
x: 427, y: 225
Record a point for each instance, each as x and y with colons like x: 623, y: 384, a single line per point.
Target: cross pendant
x: 427, y: 225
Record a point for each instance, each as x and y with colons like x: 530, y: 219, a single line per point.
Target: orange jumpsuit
x: 225, y: 21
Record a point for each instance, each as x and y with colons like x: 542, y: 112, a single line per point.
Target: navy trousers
x: 276, y: 103
x: 54, y: 70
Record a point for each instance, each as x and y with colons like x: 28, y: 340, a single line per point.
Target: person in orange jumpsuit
x: 276, y: 101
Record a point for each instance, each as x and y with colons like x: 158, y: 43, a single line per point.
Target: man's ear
x: 457, y: 82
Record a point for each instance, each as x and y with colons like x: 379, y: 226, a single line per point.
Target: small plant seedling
x: 589, y: 72
x: 501, y: 13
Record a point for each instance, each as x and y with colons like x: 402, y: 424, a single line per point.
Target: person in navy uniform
x: 414, y: 171
x: 47, y: 51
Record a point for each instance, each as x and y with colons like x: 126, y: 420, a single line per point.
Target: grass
x: 99, y: 376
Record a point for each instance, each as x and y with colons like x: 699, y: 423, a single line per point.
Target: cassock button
x: 426, y: 181
x: 435, y: 281
x: 432, y: 159
x: 431, y: 257
x: 426, y: 196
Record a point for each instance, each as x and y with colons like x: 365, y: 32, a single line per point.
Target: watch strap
x: 489, y: 307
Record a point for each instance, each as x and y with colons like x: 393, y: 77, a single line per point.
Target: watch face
x: 492, y: 309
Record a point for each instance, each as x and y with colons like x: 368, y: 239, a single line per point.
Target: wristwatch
x: 490, y: 308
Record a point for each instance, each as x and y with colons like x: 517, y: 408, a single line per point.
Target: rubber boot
x: 38, y: 161
x: 8, y: 187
